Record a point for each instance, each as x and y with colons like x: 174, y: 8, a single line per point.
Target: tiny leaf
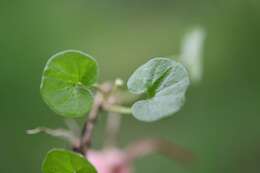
x: 63, y: 161
x: 165, y: 82
x: 66, y: 82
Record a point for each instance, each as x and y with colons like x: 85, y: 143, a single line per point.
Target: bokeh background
x: 221, y: 117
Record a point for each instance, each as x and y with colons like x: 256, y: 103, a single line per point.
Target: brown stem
x: 89, y: 124
x: 147, y: 146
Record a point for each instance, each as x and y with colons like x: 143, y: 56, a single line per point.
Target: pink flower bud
x: 109, y: 161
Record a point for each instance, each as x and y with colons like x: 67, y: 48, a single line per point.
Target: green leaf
x: 66, y: 82
x: 165, y: 82
x: 63, y: 161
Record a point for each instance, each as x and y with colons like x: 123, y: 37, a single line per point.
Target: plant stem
x: 90, y: 123
x: 147, y: 146
x: 59, y: 133
x: 119, y: 109
x: 112, y: 129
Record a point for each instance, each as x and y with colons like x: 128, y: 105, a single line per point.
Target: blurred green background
x: 220, y: 120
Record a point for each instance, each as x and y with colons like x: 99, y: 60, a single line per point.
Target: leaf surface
x: 66, y: 82
x: 164, y: 82
x: 63, y: 161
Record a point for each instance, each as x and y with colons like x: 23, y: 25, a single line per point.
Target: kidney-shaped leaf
x: 63, y: 161
x: 165, y: 82
x: 66, y: 80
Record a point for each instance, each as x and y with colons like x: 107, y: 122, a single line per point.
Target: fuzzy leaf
x: 165, y: 82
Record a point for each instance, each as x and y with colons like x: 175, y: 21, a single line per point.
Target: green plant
x: 69, y: 87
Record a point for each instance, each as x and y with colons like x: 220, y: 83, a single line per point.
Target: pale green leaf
x: 164, y: 82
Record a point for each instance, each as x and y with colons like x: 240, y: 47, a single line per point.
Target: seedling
x: 70, y: 88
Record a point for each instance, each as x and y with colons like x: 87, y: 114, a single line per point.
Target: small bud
x: 119, y: 82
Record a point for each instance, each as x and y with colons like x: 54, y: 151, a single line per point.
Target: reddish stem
x: 90, y: 123
x: 147, y: 146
